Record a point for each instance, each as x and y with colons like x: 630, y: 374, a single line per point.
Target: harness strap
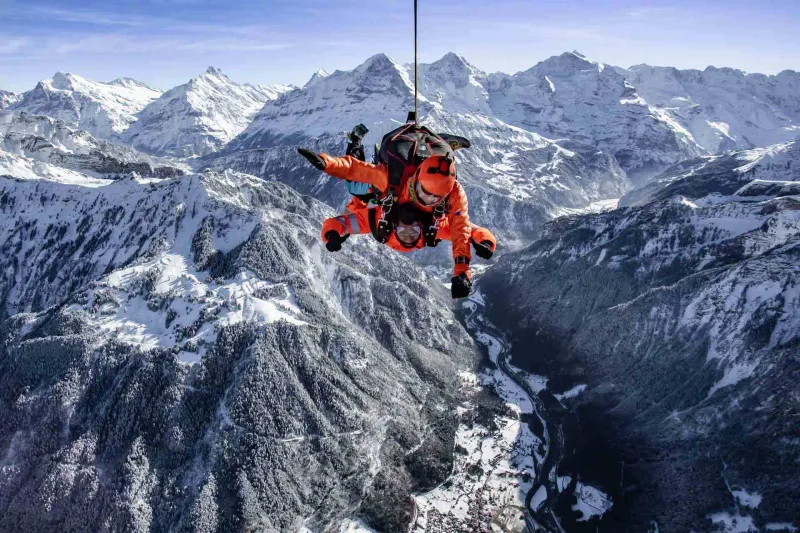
x: 381, y: 228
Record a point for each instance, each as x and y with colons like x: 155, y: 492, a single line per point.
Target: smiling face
x: 408, y: 234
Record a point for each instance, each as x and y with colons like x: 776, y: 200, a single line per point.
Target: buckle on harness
x: 383, y: 228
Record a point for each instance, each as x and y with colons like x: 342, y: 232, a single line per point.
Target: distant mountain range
x: 178, y: 351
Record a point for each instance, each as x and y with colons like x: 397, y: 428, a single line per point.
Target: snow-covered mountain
x: 515, y: 179
x: 44, y: 139
x: 199, y: 117
x: 681, y: 321
x: 102, y: 109
x: 322, y: 386
x: 724, y: 109
x: 378, y: 92
x: 569, y: 96
x: 7, y: 99
x: 182, y: 353
x: 723, y: 174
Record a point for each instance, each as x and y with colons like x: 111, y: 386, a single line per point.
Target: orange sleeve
x: 347, y: 224
x: 352, y: 169
x: 481, y: 235
x: 460, y: 229
x: 444, y: 230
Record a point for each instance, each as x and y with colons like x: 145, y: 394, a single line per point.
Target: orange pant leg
x: 347, y: 224
x: 355, y: 204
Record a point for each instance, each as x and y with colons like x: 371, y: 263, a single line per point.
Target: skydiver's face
x: 424, y: 196
x: 408, y: 234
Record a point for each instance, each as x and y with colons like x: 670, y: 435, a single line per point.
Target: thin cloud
x: 12, y: 46
x: 569, y: 33
x: 127, y: 44
x: 131, y: 21
x: 647, y: 12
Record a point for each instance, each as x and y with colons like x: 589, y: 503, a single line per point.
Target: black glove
x: 483, y: 249
x: 333, y: 241
x: 460, y: 287
x: 312, y: 157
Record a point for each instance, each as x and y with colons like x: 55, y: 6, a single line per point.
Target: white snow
x: 200, y: 116
x: 728, y: 523
x: 591, y: 501
x: 571, y: 393
x: 356, y: 525
x: 747, y: 499
x: 780, y: 526
x: 102, y: 109
x: 733, y: 375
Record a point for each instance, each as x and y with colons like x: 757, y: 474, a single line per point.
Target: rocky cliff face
x: 572, y: 97
x: 199, y: 117
x: 681, y: 317
x: 102, y: 109
x: 7, y: 99
x: 515, y: 179
x: 721, y: 175
x: 44, y: 139
x: 182, y: 355
x: 724, y: 109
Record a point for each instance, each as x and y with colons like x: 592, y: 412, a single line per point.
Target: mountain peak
x: 63, y: 80
x: 319, y: 75
x: 452, y: 60
x: 452, y: 57
x: 130, y: 83
x: 567, y: 63
x: 214, y: 72
x: 379, y: 61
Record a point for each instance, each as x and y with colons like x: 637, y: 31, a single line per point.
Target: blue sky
x: 166, y: 42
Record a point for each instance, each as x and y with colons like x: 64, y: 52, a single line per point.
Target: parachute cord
x: 416, y: 119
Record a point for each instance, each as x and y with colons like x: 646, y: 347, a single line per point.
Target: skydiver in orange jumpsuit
x: 409, y: 230
x: 431, y: 188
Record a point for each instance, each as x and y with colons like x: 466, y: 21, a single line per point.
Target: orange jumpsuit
x: 357, y: 222
x: 350, y: 168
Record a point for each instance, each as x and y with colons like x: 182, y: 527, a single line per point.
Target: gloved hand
x: 312, y: 157
x: 483, y: 249
x: 333, y: 241
x: 460, y: 287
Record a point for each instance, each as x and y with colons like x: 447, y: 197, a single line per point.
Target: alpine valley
x: 178, y: 350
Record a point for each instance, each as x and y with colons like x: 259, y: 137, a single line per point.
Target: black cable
x: 416, y: 119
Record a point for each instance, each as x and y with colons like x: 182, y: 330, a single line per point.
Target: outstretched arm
x: 483, y: 241
x: 460, y: 231
x: 350, y: 168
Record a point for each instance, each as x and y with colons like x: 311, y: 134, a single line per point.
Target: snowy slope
x: 45, y: 139
x: 317, y: 382
x: 7, y: 99
x: 377, y: 93
x: 570, y: 96
x: 722, y: 174
x: 200, y: 116
x: 102, y: 109
x: 515, y: 179
x: 724, y: 109
x: 455, y: 84
x: 682, y: 318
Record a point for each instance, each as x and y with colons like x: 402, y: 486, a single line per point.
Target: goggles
x: 408, y: 232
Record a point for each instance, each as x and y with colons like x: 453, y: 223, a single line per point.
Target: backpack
x: 402, y: 150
